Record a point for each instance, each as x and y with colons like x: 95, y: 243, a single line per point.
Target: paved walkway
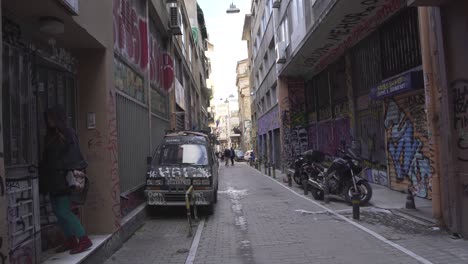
x: 260, y: 220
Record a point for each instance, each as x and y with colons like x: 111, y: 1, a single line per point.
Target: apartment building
x: 366, y: 74
x: 112, y: 65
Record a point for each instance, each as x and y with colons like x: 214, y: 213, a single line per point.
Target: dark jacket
x: 227, y: 153
x: 61, y: 154
x: 233, y: 153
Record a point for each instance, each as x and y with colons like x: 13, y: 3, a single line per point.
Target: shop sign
x: 405, y: 82
x: 71, y: 5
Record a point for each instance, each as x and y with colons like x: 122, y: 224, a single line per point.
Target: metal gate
x: 133, y: 141
x: 158, y: 128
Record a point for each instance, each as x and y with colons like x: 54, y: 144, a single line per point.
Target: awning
x: 346, y: 23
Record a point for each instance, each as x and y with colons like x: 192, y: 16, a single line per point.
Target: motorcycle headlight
x: 355, y: 163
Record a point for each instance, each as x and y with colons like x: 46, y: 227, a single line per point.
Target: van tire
x: 215, y: 196
x: 210, y: 209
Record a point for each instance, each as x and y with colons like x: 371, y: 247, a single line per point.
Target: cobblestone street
x: 259, y: 221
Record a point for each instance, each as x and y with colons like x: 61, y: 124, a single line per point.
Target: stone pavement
x: 163, y: 239
x: 259, y: 221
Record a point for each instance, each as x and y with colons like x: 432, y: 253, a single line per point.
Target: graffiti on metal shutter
x: 408, y: 145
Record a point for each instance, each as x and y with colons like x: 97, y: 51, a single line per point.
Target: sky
x: 225, y: 32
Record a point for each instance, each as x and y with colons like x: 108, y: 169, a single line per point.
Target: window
x: 178, y: 70
x: 190, y: 54
x: 284, y: 31
x: 265, y: 59
x: 268, y: 100
x: 262, y: 105
x: 263, y: 23
x: 274, y: 96
x: 269, y: 6
x: 188, y: 154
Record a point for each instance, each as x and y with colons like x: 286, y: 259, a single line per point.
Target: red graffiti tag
x: 112, y: 147
x: 131, y: 32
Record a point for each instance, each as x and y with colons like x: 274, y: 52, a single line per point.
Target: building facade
x: 111, y: 65
x: 243, y: 89
x: 264, y: 80
x: 359, y: 74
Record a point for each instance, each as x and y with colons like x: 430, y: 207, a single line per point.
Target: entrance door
x: 21, y: 155
x: 24, y: 100
x: 54, y: 87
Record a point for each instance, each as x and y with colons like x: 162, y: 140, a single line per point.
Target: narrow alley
x: 259, y: 219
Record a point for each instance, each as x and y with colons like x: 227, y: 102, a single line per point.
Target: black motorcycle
x: 307, y: 165
x: 343, y: 179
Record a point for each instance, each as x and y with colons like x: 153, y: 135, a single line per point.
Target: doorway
x: 30, y: 86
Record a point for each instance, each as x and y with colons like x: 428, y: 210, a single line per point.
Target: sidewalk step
x: 415, y: 216
x: 104, y: 245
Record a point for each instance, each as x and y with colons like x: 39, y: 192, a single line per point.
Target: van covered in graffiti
x: 183, y: 159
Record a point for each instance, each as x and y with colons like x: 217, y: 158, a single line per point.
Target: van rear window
x: 183, y: 154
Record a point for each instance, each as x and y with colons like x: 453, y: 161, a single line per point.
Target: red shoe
x: 70, y: 243
x: 84, y: 244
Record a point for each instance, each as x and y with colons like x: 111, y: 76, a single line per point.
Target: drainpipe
x: 431, y: 95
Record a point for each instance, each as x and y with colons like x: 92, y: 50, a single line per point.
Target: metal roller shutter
x: 408, y: 146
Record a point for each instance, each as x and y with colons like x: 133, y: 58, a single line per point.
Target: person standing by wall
x: 61, y: 157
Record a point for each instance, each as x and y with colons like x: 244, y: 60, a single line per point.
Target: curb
x: 130, y: 224
x: 417, y: 219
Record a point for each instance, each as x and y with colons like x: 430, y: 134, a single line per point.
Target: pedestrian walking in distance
x: 61, y: 157
x: 233, y: 155
x: 227, y: 155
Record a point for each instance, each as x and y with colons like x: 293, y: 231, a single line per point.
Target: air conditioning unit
x: 280, y: 52
x: 276, y: 3
x: 174, y: 22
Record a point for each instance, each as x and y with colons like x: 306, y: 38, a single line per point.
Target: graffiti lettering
x: 112, y: 147
x: 295, y: 135
x: 408, y: 150
x: 130, y: 31
x: 23, y: 255
x: 460, y: 107
x: 351, y: 29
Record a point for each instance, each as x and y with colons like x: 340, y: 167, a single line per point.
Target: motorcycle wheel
x: 317, y: 194
x: 297, y: 178
x: 364, y: 189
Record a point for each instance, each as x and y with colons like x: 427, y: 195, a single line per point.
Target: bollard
x: 326, y: 193
x: 356, y: 201
x: 306, y: 187
x: 274, y: 171
x: 289, y: 179
x: 266, y: 168
x: 410, y: 200
x: 269, y: 169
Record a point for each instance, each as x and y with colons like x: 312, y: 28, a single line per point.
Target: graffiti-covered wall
x: 294, y: 124
x: 408, y: 147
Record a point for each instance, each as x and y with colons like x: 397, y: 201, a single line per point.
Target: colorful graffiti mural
x: 293, y: 118
x: 131, y: 32
x: 408, y: 149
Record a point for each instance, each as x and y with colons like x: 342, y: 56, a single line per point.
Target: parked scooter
x: 343, y: 179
